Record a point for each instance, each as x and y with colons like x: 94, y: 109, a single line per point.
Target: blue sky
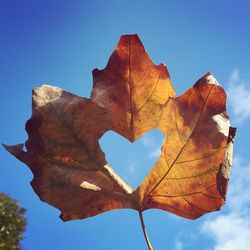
x: 60, y: 43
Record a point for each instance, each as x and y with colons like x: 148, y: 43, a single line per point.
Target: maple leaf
x: 130, y: 96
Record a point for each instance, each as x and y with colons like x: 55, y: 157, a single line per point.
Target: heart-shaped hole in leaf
x: 132, y: 161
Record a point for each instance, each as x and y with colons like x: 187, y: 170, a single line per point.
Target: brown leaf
x: 130, y: 96
x: 70, y: 171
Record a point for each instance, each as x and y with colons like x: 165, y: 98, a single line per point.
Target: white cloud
x: 147, y: 140
x: 129, y: 172
x: 232, y: 230
x: 178, y: 245
x: 155, y: 153
x: 153, y: 142
x: 239, y: 187
x: 239, y: 97
x: 131, y: 166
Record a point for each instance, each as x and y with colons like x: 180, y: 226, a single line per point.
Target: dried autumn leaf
x: 130, y: 96
x: 70, y: 171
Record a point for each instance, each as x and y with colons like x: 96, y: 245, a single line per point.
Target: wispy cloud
x: 153, y: 142
x: 130, y: 171
x: 239, y: 189
x: 239, y: 96
x: 155, y: 153
x: 232, y: 230
x: 178, y: 245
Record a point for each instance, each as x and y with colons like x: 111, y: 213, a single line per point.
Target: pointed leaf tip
x: 133, y: 88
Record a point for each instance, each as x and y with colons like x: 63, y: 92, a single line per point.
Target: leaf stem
x: 144, y: 231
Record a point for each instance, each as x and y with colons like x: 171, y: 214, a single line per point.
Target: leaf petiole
x: 144, y: 231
